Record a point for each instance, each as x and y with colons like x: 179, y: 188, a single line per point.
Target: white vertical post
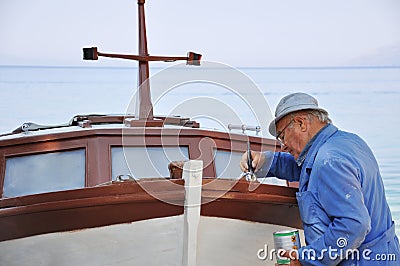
x: 192, y: 174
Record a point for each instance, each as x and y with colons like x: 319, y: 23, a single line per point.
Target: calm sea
x: 365, y: 101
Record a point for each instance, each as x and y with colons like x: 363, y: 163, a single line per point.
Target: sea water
x: 365, y: 101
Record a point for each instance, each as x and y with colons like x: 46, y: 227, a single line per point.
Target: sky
x: 257, y: 33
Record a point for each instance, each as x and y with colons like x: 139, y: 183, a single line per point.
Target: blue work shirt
x: 341, y: 200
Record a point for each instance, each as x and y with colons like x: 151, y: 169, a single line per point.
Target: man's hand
x: 292, y: 255
x: 258, y: 159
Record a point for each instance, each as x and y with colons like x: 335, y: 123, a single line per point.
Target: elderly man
x: 341, y: 197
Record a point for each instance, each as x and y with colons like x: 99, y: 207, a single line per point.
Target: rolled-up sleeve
x: 281, y: 165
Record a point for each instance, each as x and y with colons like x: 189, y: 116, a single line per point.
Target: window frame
x: 37, y: 148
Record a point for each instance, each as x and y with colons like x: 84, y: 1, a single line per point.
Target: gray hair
x: 322, y: 116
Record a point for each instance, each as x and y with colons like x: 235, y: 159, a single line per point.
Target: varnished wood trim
x: 2, y: 171
x: 128, y: 202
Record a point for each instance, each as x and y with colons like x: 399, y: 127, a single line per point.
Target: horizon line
x: 240, y: 67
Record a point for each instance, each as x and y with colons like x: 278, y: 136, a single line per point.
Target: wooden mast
x: 146, y: 107
x: 145, y: 104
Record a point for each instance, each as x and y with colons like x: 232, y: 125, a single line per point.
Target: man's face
x: 291, y: 135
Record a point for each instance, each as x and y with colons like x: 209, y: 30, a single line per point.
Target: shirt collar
x: 305, y: 150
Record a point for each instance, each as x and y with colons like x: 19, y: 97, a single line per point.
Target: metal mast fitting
x: 145, y: 104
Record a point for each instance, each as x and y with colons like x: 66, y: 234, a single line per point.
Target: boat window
x: 145, y: 162
x: 46, y: 172
x: 227, y: 166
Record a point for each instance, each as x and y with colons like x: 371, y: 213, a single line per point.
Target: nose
x: 284, y: 147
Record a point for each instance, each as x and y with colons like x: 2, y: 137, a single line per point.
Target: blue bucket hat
x: 291, y: 103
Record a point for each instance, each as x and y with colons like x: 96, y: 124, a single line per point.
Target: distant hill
x: 388, y: 56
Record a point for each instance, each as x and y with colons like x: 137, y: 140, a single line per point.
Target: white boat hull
x: 158, y: 241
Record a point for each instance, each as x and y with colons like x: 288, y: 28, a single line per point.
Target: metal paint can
x: 287, y: 240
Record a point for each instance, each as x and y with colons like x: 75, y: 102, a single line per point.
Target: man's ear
x: 303, y: 122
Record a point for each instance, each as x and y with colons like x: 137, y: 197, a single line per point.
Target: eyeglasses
x: 281, y: 138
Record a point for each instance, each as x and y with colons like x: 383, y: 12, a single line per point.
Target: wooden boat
x: 70, y: 196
